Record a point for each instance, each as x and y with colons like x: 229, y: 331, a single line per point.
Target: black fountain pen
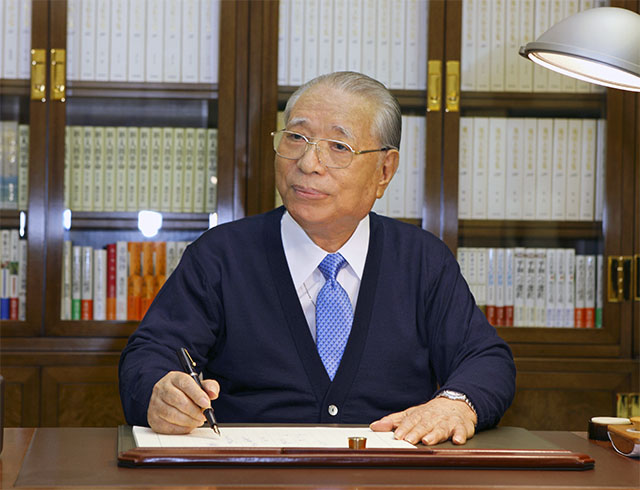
x: 188, y: 365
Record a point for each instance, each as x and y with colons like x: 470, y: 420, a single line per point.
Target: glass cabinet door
x: 134, y: 156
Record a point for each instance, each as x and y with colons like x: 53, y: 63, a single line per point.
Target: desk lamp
x: 599, y: 45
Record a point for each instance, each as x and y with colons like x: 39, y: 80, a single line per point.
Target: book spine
x: 190, y: 41
x: 423, y: 45
x: 530, y: 288
x: 519, y: 287
x: 10, y: 149
x: 88, y: 40
x: 483, y: 45
x: 103, y: 33
x: 87, y: 168
x: 354, y: 36
x: 166, y: 197
x: 100, y: 284
x: 325, y: 39
x: 155, y: 169
x: 500, y: 286
x: 200, y: 170
x: 514, y: 166
x: 10, y: 42
x: 122, y: 259
x: 296, y: 42
x: 497, y: 44
x: 587, y: 175
x: 13, y: 275
x: 144, y: 168
x: 541, y: 286
x: 496, y: 181
x: 525, y: 68
x: 570, y: 7
x: 211, y: 189
x: 544, y: 169
x: 412, y: 182
x: 122, y: 160
x: 467, y: 54
x: 551, y: 288
x: 590, y: 292
x: 155, y: 35
x: 530, y: 166
x: 599, y: 290
x: 340, y: 23
x: 189, y: 158
x: 110, y: 165
x: 98, y: 168
x: 512, y: 45
x: 177, y: 175
x: 86, y: 284
x: 172, y: 41
x: 119, y: 40
x: 559, y: 181
x: 24, y: 40
x: 570, y: 284
x: 134, y: 281
x: 283, y: 42
x: 161, y: 265
x: 65, y: 292
x: 383, y: 66
x: 396, y: 188
x: 5, y: 257
x: 148, y: 276
x: 561, y: 287
x: 601, y: 161
x: 311, y: 39
x: 369, y: 39
x: 556, y: 14
x: 540, y: 74
x: 509, y: 273
x: 482, y: 258
x: 412, y: 45
x: 133, y: 153
x: 66, y: 186
x: 74, y: 21
x: 580, y: 296
x: 397, y: 65
x: 574, y: 152
x: 112, y: 268
x: 480, y: 172
x: 77, y: 167
x: 22, y: 280
x: 491, y: 287
x: 76, y: 282
x: 465, y: 168
x: 209, y: 40
x: 171, y: 257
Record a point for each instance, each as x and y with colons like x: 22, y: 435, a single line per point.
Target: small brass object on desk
x: 357, y: 442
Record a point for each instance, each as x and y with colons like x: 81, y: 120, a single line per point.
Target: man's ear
x: 388, y: 168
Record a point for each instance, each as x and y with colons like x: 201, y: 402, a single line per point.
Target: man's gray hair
x: 387, y: 123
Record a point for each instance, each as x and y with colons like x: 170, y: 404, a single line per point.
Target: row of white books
x: 117, y: 282
x: 535, y: 287
x: 14, y: 165
x: 13, y: 276
x: 135, y: 168
x: 531, y: 169
x: 493, y: 32
x: 405, y: 195
x: 15, y: 39
x: 385, y: 39
x: 143, y: 40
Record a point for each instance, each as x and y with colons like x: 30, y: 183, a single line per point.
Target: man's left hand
x: 433, y: 422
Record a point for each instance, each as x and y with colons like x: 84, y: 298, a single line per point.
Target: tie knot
x: 331, y: 264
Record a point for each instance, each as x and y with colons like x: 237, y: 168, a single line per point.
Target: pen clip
x: 186, y: 361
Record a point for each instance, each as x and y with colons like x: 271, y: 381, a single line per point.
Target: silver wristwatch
x: 456, y: 395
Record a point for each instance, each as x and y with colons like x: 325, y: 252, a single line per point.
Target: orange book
x: 148, y: 264
x: 134, y: 282
x: 111, y: 281
x: 161, y: 265
x: 148, y: 293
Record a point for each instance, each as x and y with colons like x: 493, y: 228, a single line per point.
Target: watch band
x: 456, y: 395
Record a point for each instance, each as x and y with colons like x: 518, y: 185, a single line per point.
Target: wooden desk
x: 81, y: 458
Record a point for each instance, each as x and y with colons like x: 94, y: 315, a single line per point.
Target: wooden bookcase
x: 65, y: 372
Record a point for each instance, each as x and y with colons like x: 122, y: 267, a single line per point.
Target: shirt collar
x: 304, y: 256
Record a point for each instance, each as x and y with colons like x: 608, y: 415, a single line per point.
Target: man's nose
x: 310, y: 161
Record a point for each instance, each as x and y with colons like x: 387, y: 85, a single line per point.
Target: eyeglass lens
x: 294, y: 145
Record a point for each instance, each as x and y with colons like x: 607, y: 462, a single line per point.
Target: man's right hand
x: 177, y: 403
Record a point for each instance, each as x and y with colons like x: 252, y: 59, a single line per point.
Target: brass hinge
x: 452, y: 89
x: 434, y: 85
x: 39, y: 75
x: 58, y: 74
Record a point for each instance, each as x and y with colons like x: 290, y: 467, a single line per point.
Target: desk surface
x: 81, y: 458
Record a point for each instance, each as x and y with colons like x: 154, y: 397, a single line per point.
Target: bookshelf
x: 50, y: 365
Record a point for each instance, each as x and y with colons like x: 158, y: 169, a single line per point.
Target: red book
x: 111, y: 281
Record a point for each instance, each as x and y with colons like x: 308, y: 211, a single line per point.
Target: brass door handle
x: 452, y: 88
x: 58, y: 74
x: 39, y: 75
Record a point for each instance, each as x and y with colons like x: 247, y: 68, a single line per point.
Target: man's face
x: 324, y: 199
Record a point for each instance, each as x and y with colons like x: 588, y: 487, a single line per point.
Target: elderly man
x: 321, y: 311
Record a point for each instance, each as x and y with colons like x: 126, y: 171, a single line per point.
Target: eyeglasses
x: 331, y: 153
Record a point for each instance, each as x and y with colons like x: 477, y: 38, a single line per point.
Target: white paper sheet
x: 317, y: 437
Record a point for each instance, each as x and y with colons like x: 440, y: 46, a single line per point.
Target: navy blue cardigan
x: 231, y: 302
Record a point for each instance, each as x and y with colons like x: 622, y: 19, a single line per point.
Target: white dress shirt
x: 304, y: 256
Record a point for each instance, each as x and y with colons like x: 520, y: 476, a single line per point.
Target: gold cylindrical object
x: 357, y: 442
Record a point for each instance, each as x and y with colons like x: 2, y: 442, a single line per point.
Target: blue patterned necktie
x: 334, y: 315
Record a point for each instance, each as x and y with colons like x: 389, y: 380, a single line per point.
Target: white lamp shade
x: 600, y: 45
